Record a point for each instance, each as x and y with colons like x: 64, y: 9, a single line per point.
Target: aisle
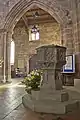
x: 12, y: 109
x: 10, y: 97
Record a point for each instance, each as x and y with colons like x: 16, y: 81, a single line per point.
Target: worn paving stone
x: 10, y: 98
x: 20, y: 113
x: 12, y: 109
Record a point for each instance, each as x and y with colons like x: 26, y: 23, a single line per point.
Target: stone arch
x: 50, y: 6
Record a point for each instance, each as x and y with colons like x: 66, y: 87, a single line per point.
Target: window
x: 12, y: 53
x: 35, y: 36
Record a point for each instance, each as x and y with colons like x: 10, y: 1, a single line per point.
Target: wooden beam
x: 25, y: 20
x: 40, y: 16
x: 41, y: 21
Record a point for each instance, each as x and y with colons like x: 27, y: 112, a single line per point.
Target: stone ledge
x: 59, y: 96
x: 49, y: 106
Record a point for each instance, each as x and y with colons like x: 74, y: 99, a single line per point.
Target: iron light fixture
x: 35, y: 28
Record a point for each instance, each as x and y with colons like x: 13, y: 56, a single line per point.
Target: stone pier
x: 51, y: 98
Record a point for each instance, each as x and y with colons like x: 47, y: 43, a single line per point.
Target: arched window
x: 12, y: 53
x: 35, y: 36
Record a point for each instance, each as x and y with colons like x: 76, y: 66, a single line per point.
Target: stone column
x: 2, y: 54
x: 8, y: 68
x: 61, y: 35
x: 74, y: 5
x: 68, y: 39
x: 3, y: 51
x: 5, y: 35
x: 75, y: 15
x: 68, y: 42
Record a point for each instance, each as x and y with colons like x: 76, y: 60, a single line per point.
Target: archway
x: 18, y: 11
x: 53, y: 8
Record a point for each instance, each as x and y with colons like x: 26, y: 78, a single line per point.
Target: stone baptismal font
x: 52, y: 98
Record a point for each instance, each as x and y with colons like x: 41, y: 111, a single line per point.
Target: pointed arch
x: 24, y: 5
x: 50, y: 6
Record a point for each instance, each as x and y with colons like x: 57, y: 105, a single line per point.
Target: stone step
x: 57, y: 108
x: 52, y: 91
x: 61, y: 96
x: 50, y: 106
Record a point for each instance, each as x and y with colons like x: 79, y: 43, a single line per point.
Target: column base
x: 4, y: 80
x: 8, y: 80
x: 1, y: 78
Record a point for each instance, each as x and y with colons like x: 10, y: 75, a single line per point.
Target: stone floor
x: 10, y: 97
x: 12, y: 109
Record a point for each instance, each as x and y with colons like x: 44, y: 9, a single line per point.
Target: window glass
x: 12, y: 53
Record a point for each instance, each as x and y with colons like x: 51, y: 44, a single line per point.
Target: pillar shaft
x: 68, y: 42
x: 2, y: 55
x: 68, y: 39
x: 8, y: 66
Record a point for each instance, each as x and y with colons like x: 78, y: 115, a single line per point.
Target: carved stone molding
x: 53, y: 7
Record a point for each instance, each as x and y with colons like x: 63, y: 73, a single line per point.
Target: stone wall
x: 49, y: 34
x: 7, y: 5
x: 77, y: 36
x: 66, y: 12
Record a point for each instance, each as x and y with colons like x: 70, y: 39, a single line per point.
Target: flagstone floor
x: 11, y: 107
